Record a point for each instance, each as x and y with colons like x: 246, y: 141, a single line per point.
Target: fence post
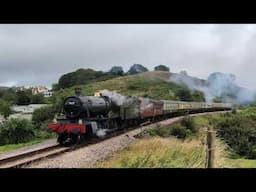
x: 210, y: 148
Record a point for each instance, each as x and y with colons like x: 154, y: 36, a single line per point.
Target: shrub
x: 176, y: 130
x: 239, y: 133
x: 37, y: 99
x: 180, y: 131
x: 157, y: 131
x: 43, y: 131
x: 190, y: 124
x: 16, y: 131
x: 43, y: 114
x: 5, y: 108
x: 234, y: 111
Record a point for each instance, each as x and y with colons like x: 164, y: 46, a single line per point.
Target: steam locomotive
x: 96, y: 116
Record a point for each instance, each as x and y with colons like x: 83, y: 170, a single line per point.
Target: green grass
x: 207, y: 120
x: 201, y: 121
x: 249, y: 112
x: 10, y: 147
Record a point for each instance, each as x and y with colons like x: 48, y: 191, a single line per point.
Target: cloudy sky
x: 38, y: 54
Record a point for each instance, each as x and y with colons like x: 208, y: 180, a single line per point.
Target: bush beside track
x: 16, y: 131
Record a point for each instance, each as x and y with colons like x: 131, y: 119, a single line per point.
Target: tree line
x: 83, y: 76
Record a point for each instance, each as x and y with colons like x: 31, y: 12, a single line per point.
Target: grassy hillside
x: 149, y: 84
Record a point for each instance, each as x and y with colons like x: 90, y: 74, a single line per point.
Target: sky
x: 38, y: 54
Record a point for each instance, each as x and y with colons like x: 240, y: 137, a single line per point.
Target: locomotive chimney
x: 78, y: 91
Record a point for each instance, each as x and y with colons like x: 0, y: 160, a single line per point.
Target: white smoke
x: 101, y: 133
x: 192, y: 83
x: 217, y: 85
x: 246, y: 96
x: 146, y: 104
x: 118, y: 99
x: 222, y: 84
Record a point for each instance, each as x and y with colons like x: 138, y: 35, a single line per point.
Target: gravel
x: 87, y: 156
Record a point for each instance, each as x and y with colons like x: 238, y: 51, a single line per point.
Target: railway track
x: 15, y: 161
x: 25, y: 158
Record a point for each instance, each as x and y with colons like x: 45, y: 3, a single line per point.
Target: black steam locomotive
x: 90, y: 116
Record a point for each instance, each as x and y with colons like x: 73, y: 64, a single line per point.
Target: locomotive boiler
x: 76, y: 107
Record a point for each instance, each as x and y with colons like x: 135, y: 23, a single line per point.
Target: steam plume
x: 218, y: 85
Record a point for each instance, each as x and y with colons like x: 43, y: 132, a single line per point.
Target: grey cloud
x: 35, y: 54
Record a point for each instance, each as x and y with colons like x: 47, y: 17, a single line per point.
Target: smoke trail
x: 145, y: 104
x: 217, y: 85
x: 192, y: 83
x: 118, y: 99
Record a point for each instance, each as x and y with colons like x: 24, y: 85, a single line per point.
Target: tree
x: 5, y: 108
x: 23, y: 98
x: 198, y: 96
x: 116, y: 70
x: 37, y: 99
x: 55, y: 87
x: 184, y: 95
x: 8, y: 95
x: 161, y: 68
x: 137, y: 68
x: 82, y: 76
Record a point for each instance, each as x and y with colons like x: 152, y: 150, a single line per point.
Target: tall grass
x: 159, y: 153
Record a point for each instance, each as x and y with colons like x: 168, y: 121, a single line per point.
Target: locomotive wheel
x: 62, y: 139
x: 80, y: 139
x: 89, y: 134
x: 76, y: 138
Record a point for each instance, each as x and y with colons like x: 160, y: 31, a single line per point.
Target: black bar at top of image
x: 150, y: 12
x: 118, y: 19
